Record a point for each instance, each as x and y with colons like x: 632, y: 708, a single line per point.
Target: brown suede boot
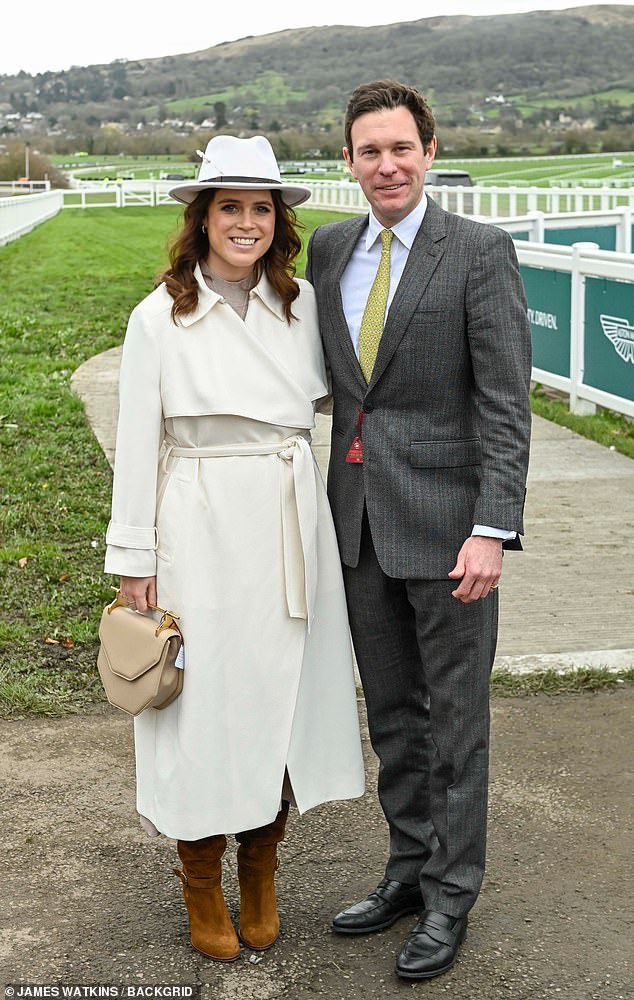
x: 257, y: 864
x: 212, y: 932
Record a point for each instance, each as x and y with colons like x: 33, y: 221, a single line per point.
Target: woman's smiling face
x: 240, y: 229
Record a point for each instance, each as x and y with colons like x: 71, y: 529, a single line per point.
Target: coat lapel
x: 423, y: 259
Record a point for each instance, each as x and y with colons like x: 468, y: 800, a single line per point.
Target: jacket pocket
x: 422, y: 309
x: 445, y: 454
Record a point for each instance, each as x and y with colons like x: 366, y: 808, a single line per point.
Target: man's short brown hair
x: 384, y: 95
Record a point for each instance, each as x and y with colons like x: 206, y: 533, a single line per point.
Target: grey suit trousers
x: 425, y: 661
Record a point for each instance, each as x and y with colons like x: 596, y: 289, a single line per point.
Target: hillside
x: 524, y: 64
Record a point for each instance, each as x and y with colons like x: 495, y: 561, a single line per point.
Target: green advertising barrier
x: 609, y: 336
x: 604, y: 236
x: 548, y: 296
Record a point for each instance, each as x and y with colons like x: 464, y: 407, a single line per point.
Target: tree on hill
x: 13, y: 165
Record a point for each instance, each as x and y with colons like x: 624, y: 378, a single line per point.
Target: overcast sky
x: 44, y: 36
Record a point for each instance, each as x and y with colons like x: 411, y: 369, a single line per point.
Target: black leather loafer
x: 432, y: 947
x: 389, y: 901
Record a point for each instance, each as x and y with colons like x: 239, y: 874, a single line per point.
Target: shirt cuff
x: 483, y: 529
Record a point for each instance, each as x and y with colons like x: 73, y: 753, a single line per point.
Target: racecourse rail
x: 574, y: 247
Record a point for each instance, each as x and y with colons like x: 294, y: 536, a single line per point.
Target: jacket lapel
x: 424, y: 257
x: 341, y: 249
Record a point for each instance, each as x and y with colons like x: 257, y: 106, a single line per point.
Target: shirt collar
x: 405, y: 230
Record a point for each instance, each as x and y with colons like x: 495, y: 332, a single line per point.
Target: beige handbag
x: 137, y: 658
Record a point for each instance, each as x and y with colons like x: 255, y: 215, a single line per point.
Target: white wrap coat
x: 216, y: 491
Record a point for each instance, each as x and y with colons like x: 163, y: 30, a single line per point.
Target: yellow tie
x: 374, y: 313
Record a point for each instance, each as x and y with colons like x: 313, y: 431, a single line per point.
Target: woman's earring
x: 204, y: 228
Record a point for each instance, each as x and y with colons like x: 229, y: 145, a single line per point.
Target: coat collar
x: 266, y: 293
x: 207, y: 299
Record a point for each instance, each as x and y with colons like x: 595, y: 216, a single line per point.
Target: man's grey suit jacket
x: 447, y: 418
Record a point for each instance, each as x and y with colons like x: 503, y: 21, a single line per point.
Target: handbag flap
x: 129, y: 642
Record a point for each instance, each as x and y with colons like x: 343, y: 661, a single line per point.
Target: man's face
x: 389, y: 162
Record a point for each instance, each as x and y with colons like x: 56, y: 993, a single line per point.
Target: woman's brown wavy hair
x: 190, y: 245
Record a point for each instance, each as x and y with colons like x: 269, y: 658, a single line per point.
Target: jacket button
x: 368, y: 407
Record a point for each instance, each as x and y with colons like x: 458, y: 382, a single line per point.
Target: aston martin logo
x: 620, y: 333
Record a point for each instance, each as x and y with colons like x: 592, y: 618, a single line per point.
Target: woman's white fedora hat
x: 243, y: 164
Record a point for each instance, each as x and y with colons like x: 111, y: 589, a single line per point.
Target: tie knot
x: 386, y: 238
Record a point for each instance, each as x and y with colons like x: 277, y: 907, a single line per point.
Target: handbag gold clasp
x: 168, y: 620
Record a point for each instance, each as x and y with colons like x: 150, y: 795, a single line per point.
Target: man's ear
x: 430, y: 152
x: 348, y: 159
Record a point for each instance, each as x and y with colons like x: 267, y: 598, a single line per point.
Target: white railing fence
x: 583, y: 328
x: 20, y: 215
x: 23, y: 187
x: 498, y: 201
x: 346, y: 196
x: 535, y: 225
x: 118, y: 194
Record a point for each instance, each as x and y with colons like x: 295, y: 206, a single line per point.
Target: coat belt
x: 298, y: 500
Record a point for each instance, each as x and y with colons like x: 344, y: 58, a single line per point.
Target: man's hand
x: 138, y: 591
x: 479, y: 563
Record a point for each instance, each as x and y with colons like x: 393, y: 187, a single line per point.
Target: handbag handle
x: 168, y: 620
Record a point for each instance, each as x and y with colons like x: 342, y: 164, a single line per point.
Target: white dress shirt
x: 360, y: 272
x: 358, y: 277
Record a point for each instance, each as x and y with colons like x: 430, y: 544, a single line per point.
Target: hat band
x: 239, y: 180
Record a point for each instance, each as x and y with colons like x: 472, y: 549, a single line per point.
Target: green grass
x: 67, y: 290
x: 71, y: 160
x: 543, y: 171
x: 618, y: 96
x: 606, y: 427
x: 136, y: 167
x: 532, y: 170
x: 269, y: 90
x: 505, y: 684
